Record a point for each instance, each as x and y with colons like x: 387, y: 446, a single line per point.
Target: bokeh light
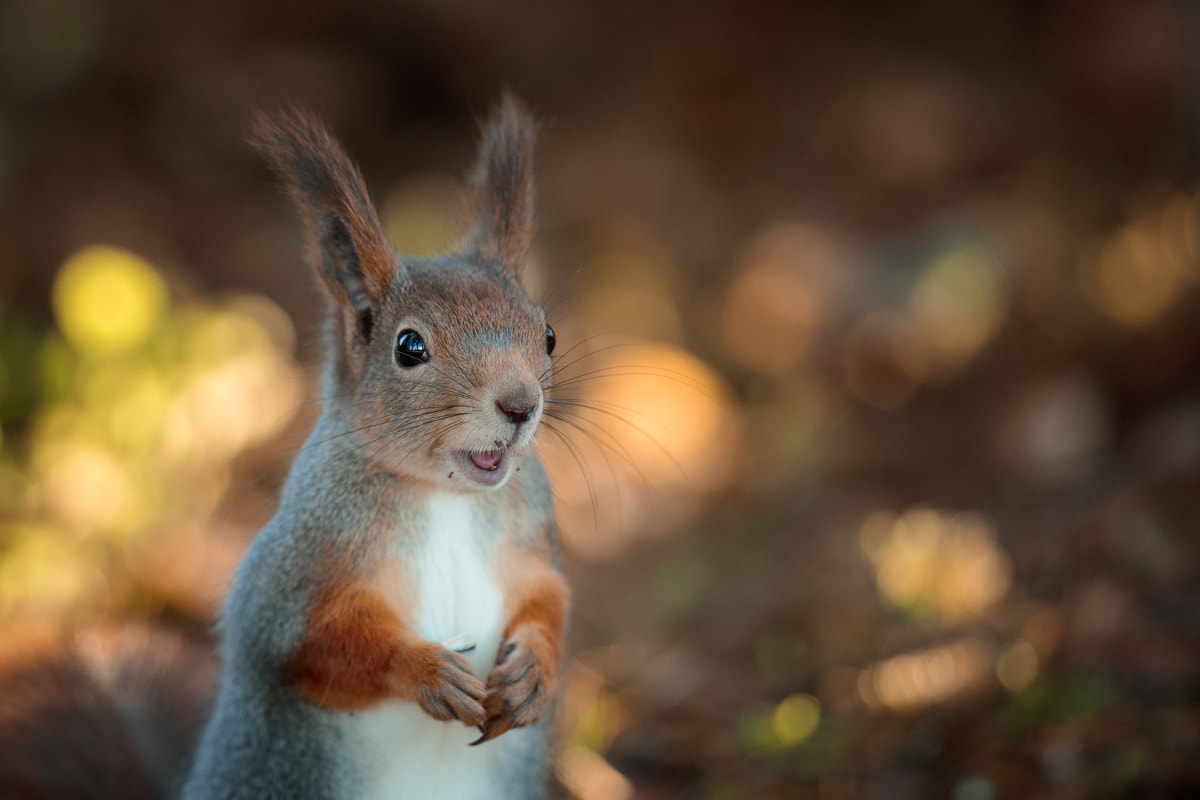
x: 912, y: 681
x: 648, y: 430
x: 931, y: 561
x: 1055, y: 430
x: 795, y: 719
x: 785, y: 725
x: 151, y: 404
x: 589, y: 777
x: 1142, y: 270
x: 41, y: 567
x: 786, y: 288
x: 85, y: 487
x: 958, y: 305
x: 107, y: 300
x: 591, y: 716
x: 1017, y: 666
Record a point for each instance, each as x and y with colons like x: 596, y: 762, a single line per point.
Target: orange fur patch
x: 345, y: 659
x: 357, y: 652
x: 536, y: 597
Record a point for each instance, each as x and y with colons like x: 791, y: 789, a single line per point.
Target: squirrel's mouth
x: 488, y: 468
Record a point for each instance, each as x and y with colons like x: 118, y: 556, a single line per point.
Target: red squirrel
x: 397, y: 629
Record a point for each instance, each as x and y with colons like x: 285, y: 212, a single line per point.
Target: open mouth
x: 488, y: 468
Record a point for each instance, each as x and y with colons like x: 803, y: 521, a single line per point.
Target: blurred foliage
x: 881, y: 325
x: 1072, y: 698
x: 144, y: 407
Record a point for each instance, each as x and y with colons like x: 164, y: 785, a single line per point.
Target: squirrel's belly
x: 403, y: 752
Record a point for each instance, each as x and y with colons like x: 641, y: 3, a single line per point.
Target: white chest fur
x: 403, y: 752
x: 458, y: 596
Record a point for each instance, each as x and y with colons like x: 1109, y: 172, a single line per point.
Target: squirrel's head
x: 437, y: 365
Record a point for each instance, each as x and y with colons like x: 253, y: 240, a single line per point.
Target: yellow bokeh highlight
x: 600, y: 720
x: 915, y: 680
x: 151, y: 404
x: 592, y: 714
x: 789, y: 724
x: 224, y: 409
x: 85, y: 486
x: 795, y: 719
x: 107, y: 300
x: 135, y: 417
x: 41, y: 570
x: 928, y: 560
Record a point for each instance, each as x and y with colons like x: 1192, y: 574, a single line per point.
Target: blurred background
x: 883, y: 318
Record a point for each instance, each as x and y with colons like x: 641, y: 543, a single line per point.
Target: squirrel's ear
x: 502, y: 188
x: 349, y: 249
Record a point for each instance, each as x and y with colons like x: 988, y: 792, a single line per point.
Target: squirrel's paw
x: 520, y: 688
x: 449, y: 689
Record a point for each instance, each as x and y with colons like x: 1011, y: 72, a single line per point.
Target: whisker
x: 613, y: 445
x: 446, y: 374
x: 410, y: 424
x: 429, y: 436
x: 583, y: 469
x: 597, y: 405
x: 561, y: 367
x: 645, y: 370
x: 599, y: 409
x: 558, y: 284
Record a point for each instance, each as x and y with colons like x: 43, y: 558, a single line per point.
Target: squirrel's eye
x: 410, y: 349
x: 549, y: 340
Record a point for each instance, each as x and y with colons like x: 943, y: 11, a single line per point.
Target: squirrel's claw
x: 520, y: 691
x: 492, y: 728
x: 486, y: 735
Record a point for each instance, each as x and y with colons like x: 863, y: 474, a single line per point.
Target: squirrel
x: 397, y: 629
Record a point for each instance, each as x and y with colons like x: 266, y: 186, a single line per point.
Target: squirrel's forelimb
x: 357, y: 652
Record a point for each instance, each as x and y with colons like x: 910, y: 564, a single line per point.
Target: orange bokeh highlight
x: 647, y: 432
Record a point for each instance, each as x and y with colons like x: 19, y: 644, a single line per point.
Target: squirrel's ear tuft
x: 502, y: 188
x: 349, y: 249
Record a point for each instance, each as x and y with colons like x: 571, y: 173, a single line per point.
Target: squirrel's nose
x: 517, y: 409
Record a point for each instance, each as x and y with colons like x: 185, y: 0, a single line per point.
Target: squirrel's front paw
x: 520, y: 688
x: 449, y: 688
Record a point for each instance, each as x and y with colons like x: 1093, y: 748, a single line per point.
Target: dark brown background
x: 912, y: 259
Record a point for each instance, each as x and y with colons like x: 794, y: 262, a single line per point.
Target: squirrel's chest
x: 457, y: 599
x: 399, y: 751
